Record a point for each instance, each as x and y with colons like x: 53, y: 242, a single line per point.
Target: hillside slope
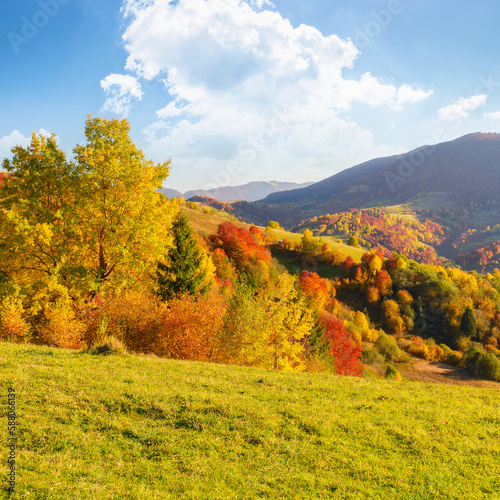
x: 334, y: 184
x: 206, y: 224
x: 468, y: 169
x: 115, y: 427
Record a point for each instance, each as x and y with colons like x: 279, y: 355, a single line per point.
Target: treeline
x: 428, y: 236
x: 384, y: 232
x: 440, y: 314
x: 473, y: 234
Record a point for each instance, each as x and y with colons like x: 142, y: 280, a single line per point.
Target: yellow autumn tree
x: 124, y: 221
x: 71, y: 228
x: 393, y: 321
x: 243, y: 339
x: 290, y: 321
x: 38, y: 242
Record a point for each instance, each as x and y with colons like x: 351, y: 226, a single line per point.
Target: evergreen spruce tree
x: 182, y: 273
x: 319, y: 346
x: 468, y: 323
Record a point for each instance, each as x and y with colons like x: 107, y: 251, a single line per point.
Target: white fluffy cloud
x: 407, y: 94
x: 495, y: 115
x: 232, y: 68
x: 15, y: 138
x: 121, y: 90
x: 461, y: 109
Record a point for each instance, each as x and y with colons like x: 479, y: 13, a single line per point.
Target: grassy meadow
x: 206, y: 224
x: 138, y: 427
x: 355, y: 253
x: 294, y: 264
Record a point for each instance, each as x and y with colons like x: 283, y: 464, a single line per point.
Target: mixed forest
x: 93, y: 256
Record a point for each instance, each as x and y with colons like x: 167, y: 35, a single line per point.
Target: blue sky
x: 235, y: 91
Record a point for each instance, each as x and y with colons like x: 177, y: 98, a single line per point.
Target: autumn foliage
x: 13, y: 323
x: 241, y: 245
x: 188, y: 330
x: 378, y: 229
x: 346, y: 353
x: 315, y: 289
x: 90, y: 252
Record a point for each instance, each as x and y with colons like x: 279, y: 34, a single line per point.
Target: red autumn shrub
x: 240, y: 244
x: 189, y: 330
x: 346, y: 353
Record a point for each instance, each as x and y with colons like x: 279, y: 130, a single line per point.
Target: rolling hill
x: 206, y: 222
x: 436, y: 204
x: 171, y: 193
x: 454, y: 186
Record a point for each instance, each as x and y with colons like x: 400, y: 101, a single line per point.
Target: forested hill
x: 452, y: 187
x: 468, y: 169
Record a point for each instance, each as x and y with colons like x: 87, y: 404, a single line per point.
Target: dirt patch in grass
x: 420, y: 370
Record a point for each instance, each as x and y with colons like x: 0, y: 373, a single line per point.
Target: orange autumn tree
x: 240, y: 244
x: 383, y: 282
x: 189, y: 330
x: 315, y: 289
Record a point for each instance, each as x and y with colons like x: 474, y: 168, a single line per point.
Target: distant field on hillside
x: 295, y: 264
x: 355, y: 253
x: 133, y: 427
x: 207, y: 223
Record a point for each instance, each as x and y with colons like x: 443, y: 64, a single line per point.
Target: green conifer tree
x: 182, y: 273
x: 468, y: 323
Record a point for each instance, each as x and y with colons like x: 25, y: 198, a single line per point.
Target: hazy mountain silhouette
x: 252, y: 191
x: 467, y: 169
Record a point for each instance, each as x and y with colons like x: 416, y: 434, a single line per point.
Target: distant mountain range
x: 247, y: 192
x: 466, y: 169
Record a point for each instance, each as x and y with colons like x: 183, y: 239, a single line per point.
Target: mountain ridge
x: 429, y: 168
x: 252, y: 191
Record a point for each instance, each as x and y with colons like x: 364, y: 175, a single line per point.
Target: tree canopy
x: 77, y: 227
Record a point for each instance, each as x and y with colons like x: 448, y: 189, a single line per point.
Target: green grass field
x: 295, y: 264
x: 355, y: 253
x: 130, y: 427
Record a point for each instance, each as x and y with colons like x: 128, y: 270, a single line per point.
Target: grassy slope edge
x: 95, y: 427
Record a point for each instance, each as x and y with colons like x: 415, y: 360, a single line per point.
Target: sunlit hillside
x: 136, y: 427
